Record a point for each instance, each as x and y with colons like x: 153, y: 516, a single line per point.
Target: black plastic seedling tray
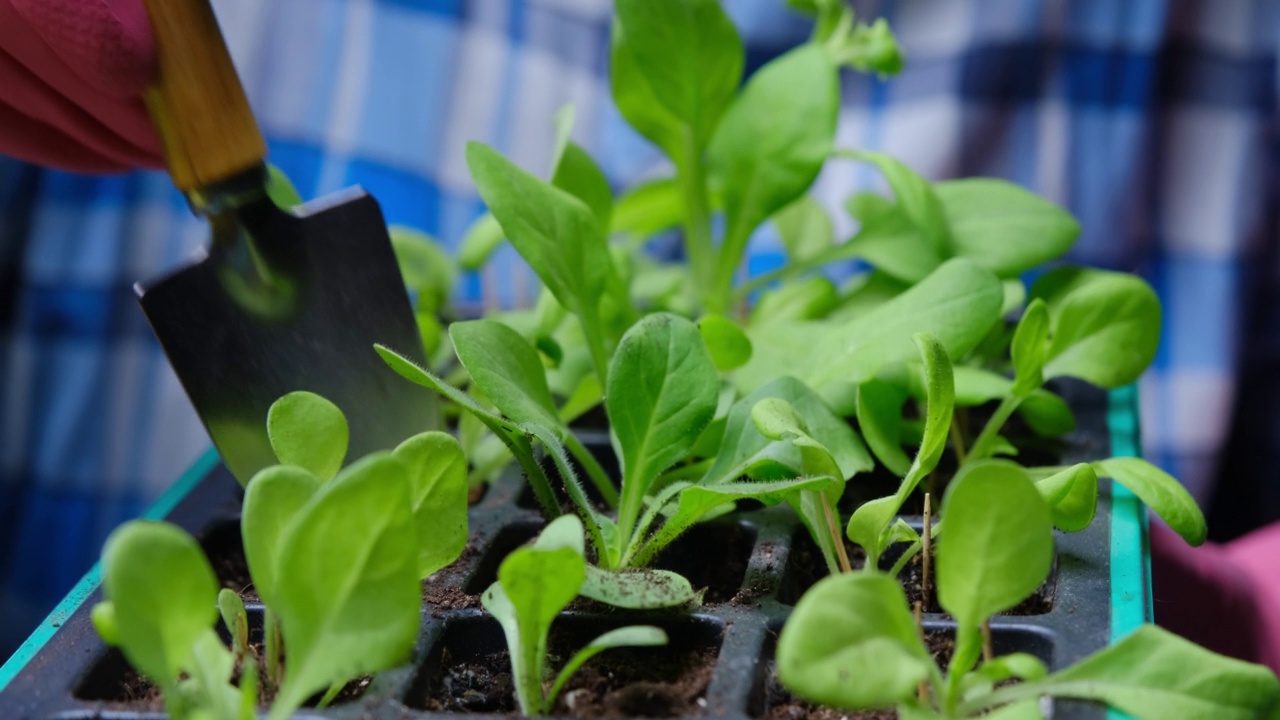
x: 753, y: 563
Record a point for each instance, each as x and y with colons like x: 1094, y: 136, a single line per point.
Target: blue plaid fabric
x: 1152, y: 120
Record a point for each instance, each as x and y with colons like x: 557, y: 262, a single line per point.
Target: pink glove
x: 72, y: 74
x: 1224, y: 597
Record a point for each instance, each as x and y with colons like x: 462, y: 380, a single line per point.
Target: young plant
x: 852, y: 642
x: 160, y: 609
x: 382, y: 525
x: 534, y: 584
x: 662, y: 393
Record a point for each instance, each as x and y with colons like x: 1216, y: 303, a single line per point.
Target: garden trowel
x: 282, y: 300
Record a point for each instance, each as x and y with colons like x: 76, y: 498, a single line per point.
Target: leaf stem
x: 926, y: 540
x: 598, y: 476
x: 957, y: 439
x: 590, y: 319
x: 986, y: 441
x: 330, y: 694
x: 834, y: 528
x: 697, y: 220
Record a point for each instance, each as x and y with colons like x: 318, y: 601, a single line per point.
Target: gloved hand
x: 1225, y: 597
x: 72, y: 74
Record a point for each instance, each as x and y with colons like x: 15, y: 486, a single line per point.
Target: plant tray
x: 754, y: 564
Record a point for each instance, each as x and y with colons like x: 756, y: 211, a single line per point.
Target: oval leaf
x: 273, y: 500
x: 308, y: 431
x: 1029, y: 348
x: 637, y: 589
x: 880, y: 417
x: 851, y: 643
x: 437, y: 475
x: 358, y: 610
x: 998, y: 545
x: 728, y: 345
x: 506, y: 369
x: 1003, y: 227
x: 1161, y: 492
x: 162, y: 594
x: 1072, y: 495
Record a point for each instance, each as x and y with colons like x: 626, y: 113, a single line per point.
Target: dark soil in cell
x: 634, y: 683
x: 713, y: 556
x: 444, y: 590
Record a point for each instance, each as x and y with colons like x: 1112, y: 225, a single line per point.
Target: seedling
x: 534, y: 584
x: 852, y: 643
x: 382, y: 524
x: 159, y: 610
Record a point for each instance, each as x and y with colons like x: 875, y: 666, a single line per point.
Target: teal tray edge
x: 83, y: 589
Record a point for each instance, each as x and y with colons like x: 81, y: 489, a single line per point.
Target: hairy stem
x: 598, y: 476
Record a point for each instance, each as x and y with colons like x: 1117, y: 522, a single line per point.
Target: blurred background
x: 1153, y: 121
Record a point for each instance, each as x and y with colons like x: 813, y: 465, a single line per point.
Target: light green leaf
x: 1159, y: 491
x: 999, y: 541
x: 161, y: 591
x: 637, y: 588
x: 1152, y: 674
x: 745, y: 448
x: 689, y: 55
x: 892, y: 243
x: 727, y: 343
x: 850, y: 643
x: 1105, y: 325
x: 563, y: 532
x: 1015, y: 295
x: 915, y: 196
x: 308, y: 431
x: 231, y: 608
x: 804, y: 227
x: 563, y: 120
x: 809, y: 298
x: 662, y: 391
x: 272, y: 502
x: 280, y: 189
x: 506, y: 369
x: 482, y: 237
x: 1072, y: 496
x: 765, y: 159
x: 629, y: 636
x: 880, y: 417
x: 425, y: 266
x: 649, y: 208
x: 580, y: 176
x: 1046, y: 414
x: 1030, y: 348
x: 437, y: 475
x: 362, y: 526
x: 957, y: 304
x: 552, y: 230
x: 1022, y: 666
x: 1002, y: 227
x: 636, y: 101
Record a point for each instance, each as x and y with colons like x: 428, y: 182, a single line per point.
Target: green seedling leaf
x: 662, y: 391
x: 880, y: 417
x: 805, y: 228
x: 638, y: 588
x: 957, y: 304
x: 1045, y: 413
x: 1015, y: 296
x: 1159, y: 491
x: 689, y: 55
x: 580, y: 176
x: 696, y: 501
x: 1003, y: 227
x: 534, y: 585
x: 744, y: 449
x: 869, y: 525
x: 999, y: 541
x: 1025, y: 710
x: 915, y: 196
x: 425, y: 266
x: 437, y: 475
x: 1030, y: 348
x: 1153, y: 674
x: 649, y: 208
x: 1105, y: 325
x: 851, y: 643
x: 512, y: 435
x: 1022, y: 666
x: 160, y: 593
x: 728, y: 345
x: 1072, y: 496
x: 231, y: 608
x: 629, y: 636
x: 895, y: 245
x: 807, y: 299
x: 766, y: 159
x: 563, y: 121
x: 553, y: 231
x: 637, y: 102
x: 776, y: 419
x: 357, y: 612
x: 280, y: 189
x: 308, y: 431
x: 506, y: 369
x: 482, y: 237
x: 273, y: 500
x: 563, y: 532
x: 208, y: 685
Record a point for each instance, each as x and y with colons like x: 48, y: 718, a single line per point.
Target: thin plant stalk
x: 987, y: 651
x: 922, y: 690
x: 985, y: 443
x: 834, y: 528
x: 927, y: 549
x: 598, y: 476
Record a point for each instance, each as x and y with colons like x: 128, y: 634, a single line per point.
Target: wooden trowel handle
x: 198, y: 106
